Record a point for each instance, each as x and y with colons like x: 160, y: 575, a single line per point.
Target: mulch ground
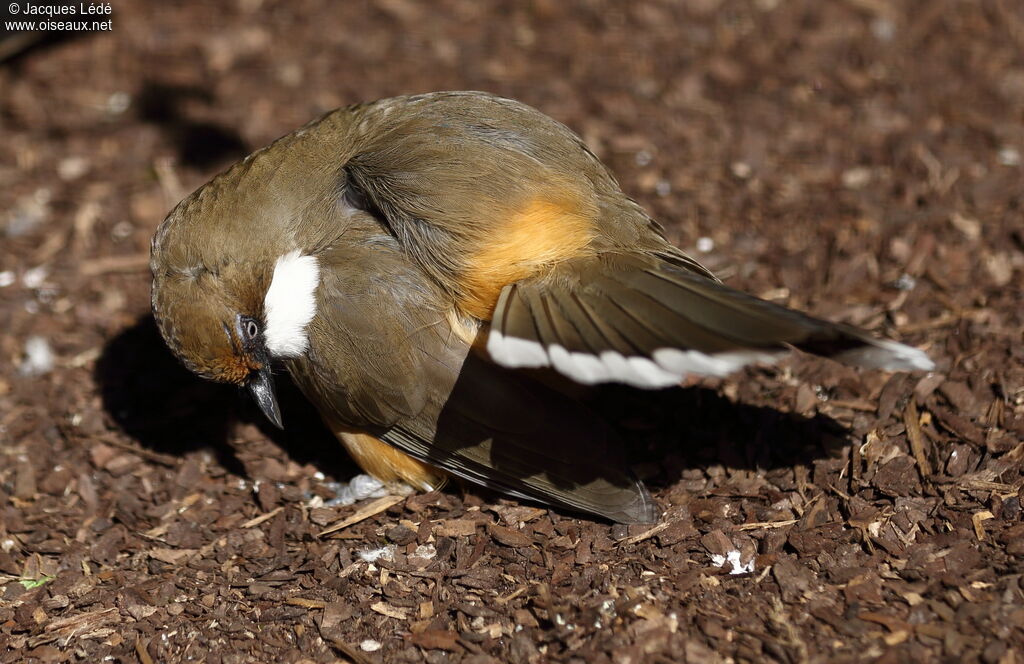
x: 860, y: 159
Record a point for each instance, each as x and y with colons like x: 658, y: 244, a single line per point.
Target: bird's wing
x: 644, y: 321
x: 511, y: 433
x: 482, y: 191
x: 519, y: 221
x: 384, y: 358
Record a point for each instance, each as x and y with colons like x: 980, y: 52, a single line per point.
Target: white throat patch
x: 290, y: 304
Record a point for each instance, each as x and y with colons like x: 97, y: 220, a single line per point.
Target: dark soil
x: 860, y: 159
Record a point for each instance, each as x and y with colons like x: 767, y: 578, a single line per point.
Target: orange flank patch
x: 388, y: 464
x: 543, y: 233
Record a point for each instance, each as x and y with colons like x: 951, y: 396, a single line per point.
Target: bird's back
x: 483, y: 191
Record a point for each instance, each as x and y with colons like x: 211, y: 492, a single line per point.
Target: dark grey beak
x: 261, y: 387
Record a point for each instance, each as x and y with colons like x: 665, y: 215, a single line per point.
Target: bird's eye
x: 250, y: 329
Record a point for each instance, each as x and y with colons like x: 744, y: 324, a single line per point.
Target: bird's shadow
x: 201, y: 144
x: 168, y: 410
x: 160, y: 404
x: 696, y: 428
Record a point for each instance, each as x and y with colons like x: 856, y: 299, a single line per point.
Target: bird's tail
x: 648, y: 323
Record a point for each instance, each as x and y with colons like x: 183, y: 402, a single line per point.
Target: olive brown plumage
x: 405, y: 259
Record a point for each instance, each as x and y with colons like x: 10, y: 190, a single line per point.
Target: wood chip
x: 363, y: 513
x: 651, y: 532
x: 978, y: 519
x: 455, y: 528
x: 912, y: 420
x: 508, y: 537
x: 162, y: 459
x: 390, y: 611
x: 892, y: 623
x: 81, y: 622
x: 512, y: 595
x: 172, y: 556
x: 767, y: 524
x: 306, y: 603
x: 437, y: 639
x: 862, y: 405
x: 251, y: 523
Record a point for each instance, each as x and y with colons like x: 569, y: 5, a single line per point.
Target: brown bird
x: 404, y: 260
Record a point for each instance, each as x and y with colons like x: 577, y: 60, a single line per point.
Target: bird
x: 433, y: 271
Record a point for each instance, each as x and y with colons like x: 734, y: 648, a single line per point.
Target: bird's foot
x: 361, y: 487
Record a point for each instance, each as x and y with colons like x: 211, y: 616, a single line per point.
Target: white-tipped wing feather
x: 631, y: 320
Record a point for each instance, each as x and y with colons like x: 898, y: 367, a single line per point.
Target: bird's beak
x: 261, y: 387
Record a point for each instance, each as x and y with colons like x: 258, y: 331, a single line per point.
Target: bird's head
x: 217, y: 332
x: 231, y: 295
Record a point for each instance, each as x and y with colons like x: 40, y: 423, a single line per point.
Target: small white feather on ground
x: 39, y: 357
x: 733, y: 558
